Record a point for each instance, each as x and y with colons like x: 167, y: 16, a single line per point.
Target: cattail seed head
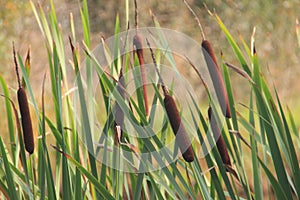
x: 119, y: 114
x: 24, y: 110
x: 119, y: 121
x: 137, y: 42
x: 178, y: 128
x: 218, y: 138
x: 216, y: 77
x: 26, y: 121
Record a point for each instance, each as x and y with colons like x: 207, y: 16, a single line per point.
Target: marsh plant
x: 126, y: 123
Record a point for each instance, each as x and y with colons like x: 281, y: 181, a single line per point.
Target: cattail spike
x: 119, y: 114
x: 26, y: 121
x: 216, y: 77
x: 182, y: 139
x: 218, y: 138
x: 24, y: 111
x: 213, y: 68
x: 178, y: 128
x: 137, y: 42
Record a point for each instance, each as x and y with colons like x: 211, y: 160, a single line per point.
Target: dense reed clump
x: 178, y: 128
x: 218, y: 138
x: 253, y: 155
x: 25, y: 113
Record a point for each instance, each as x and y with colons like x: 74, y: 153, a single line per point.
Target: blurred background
x: 276, y: 39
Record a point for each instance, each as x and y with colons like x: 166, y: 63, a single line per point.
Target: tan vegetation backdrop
x: 276, y: 40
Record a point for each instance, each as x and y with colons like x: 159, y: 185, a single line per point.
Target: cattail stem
x: 196, y: 18
x: 160, y: 80
x: 199, y: 74
x: 136, y: 15
x: 218, y: 138
x: 16, y: 66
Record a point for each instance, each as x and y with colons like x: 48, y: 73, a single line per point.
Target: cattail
x: 26, y: 121
x: 178, y: 128
x: 119, y: 114
x: 25, y: 114
x: 213, y: 69
x: 180, y: 133
x: 216, y: 77
x: 137, y: 43
x: 218, y: 138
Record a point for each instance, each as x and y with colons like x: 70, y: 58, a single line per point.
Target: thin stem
x: 136, y: 14
x: 157, y: 71
x: 16, y: 65
x: 123, y: 50
x: 198, y: 73
x: 196, y: 18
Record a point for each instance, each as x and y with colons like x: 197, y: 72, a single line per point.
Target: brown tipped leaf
x: 178, y: 128
x: 27, y: 67
x: 216, y: 77
x: 218, y: 138
x: 26, y: 121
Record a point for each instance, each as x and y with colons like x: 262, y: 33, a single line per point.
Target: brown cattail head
x: 24, y: 110
x: 26, y: 121
x: 137, y: 42
x: 178, y: 128
x: 216, y: 77
x: 119, y: 114
x: 218, y: 138
x: 119, y: 121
